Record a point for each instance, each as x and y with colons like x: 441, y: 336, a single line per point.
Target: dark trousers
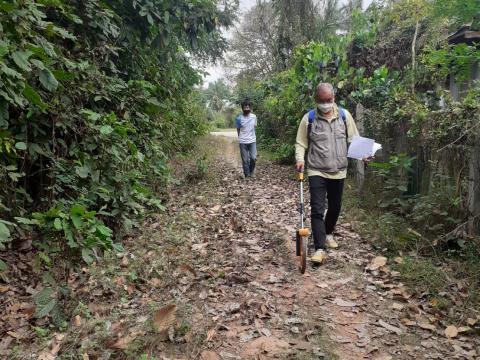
x: 248, y: 153
x: 320, y: 188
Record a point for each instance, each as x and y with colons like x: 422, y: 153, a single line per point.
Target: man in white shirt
x: 246, y: 124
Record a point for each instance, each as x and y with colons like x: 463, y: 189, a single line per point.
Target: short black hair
x: 245, y: 103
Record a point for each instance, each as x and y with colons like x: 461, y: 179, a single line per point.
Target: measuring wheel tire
x: 303, y: 253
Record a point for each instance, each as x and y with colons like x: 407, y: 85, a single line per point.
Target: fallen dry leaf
x: 451, y: 331
x: 209, y: 355
x: 397, y: 306
x: 408, y: 322
x: 51, y: 354
x: 77, y: 321
x: 389, y: 327
x: 377, y: 263
x: 199, y: 247
x: 398, y: 260
x: 14, y: 334
x: 165, y: 317
x: 215, y: 208
x: 155, y: 282
x: 427, y: 326
x: 287, y: 293
x: 471, y: 321
x: 210, y: 335
x: 344, y: 303
x: 188, y: 268
x: 463, y: 329
x: 264, y: 344
x: 123, y: 341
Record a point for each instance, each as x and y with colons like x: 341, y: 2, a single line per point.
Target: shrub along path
x: 216, y: 278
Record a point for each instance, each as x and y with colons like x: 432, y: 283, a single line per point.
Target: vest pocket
x: 319, y: 144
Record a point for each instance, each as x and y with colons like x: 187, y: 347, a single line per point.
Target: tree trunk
x: 474, y: 189
x: 359, y: 165
x: 414, y: 54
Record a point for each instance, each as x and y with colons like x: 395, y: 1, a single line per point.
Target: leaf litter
x: 232, y: 271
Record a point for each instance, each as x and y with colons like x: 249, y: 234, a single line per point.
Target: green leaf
x: 33, y: 97
x: 87, y: 256
x: 91, y: 115
x: 57, y: 224
x: 82, y: 171
x: 7, y: 7
x: 26, y: 221
x: 44, y: 296
x: 4, y: 232
x: 106, y: 130
x: 4, y: 114
x: 3, y: 266
x: 76, y: 220
x: 38, y: 63
x: 10, y: 72
x: 104, y: 230
x: 118, y: 247
x: 3, y: 49
x: 21, y: 145
x: 77, y: 209
x: 36, y: 149
x: 69, y: 235
x: 20, y: 58
x: 44, y: 310
x: 48, y: 80
x: 45, y: 258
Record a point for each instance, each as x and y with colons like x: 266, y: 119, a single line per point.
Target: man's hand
x: 299, y: 166
x: 367, y: 159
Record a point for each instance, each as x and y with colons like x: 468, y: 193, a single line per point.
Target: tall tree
x: 265, y: 38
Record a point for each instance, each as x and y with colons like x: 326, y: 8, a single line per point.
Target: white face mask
x: 325, y: 108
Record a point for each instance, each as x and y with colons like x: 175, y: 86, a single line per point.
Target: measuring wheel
x: 302, y: 241
x: 302, y: 234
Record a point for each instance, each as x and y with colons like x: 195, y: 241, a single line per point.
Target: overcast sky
x: 216, y: 72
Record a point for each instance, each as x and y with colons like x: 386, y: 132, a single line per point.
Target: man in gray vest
x: 323, y: 134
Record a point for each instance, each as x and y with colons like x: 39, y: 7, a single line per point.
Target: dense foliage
x: 95, y: 97
x: 393, y: 66
x: 271, y: 30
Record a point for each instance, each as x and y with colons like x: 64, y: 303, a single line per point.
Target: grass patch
x: 450, y: 277
x: 422, y: 275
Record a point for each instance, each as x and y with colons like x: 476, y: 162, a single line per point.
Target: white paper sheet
x: 362, y: 147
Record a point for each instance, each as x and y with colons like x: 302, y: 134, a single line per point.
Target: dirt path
x: 215, y: 277
x: 353, y: 307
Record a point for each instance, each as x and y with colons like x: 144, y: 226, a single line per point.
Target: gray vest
x: 327, y: 145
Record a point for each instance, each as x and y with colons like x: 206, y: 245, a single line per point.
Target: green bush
x: 95, y: 99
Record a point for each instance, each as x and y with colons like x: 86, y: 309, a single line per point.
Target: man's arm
x: 238, y: 124
x: 351, y: 127
x: 301, y: 144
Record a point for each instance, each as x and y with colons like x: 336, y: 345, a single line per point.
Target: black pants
x: 320, y: 188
